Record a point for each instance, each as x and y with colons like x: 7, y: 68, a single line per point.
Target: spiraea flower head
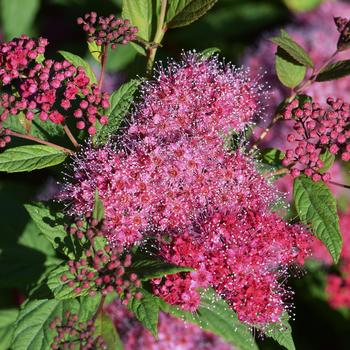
x: 196, y: 97
x: 207, y: 206
x: 102, y: 268
x: 243, y: 255
x: 107, y: 30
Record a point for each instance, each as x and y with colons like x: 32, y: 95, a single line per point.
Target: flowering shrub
x: 167, y: 206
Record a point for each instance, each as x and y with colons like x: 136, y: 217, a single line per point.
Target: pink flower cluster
x: 181, y: 153
x: 107, y: 30
x: 316, y: 130
x: 338, y: 285
x: 173, y: 333
x: 52, y: 90
x: 177, y: 180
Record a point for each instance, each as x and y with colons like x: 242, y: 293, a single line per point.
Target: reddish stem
x: 103, y: 65
x: 70, y: 136
x: 43, y: 142
x: 100, y: 307
x: 339, y: 184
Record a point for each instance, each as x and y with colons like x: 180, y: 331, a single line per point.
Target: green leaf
x: 214, y: 315
x: 7, y: 321
x: 140, y: 14
x: 46, y: 131
x: 120, y: 57
x: 18, y: 16
x: 120, y: 102
x: 183, y: 12
x: 272, y: 156
x: 328, y: 160
x: 334, y: 71
x: 270, y: 161
x: 289, y: 71
x: 316, y: 206
x: 51, y: 224
x: 147, y: 267
x: 302, y: 5
x: 32, y: 331
x: 205, y: 54
x: 23, y: 263
x: 77, y: 61
x: 33, y: 238
x: 99, y: 211
x: 106, y: 329
x: 95, y: 50
x: 146, y: 310
x: 40, y: 58
x: 28, y: 158
x: 282, y: 334
x: 89, y: 306
x: 287, y: 43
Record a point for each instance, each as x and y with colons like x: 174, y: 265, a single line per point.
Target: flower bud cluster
x: 107, y: 30
x: 317, y: 130
x: 16, y: 55
x: 52, y: 90
x: 102, y: 268
x: 72, y: 334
